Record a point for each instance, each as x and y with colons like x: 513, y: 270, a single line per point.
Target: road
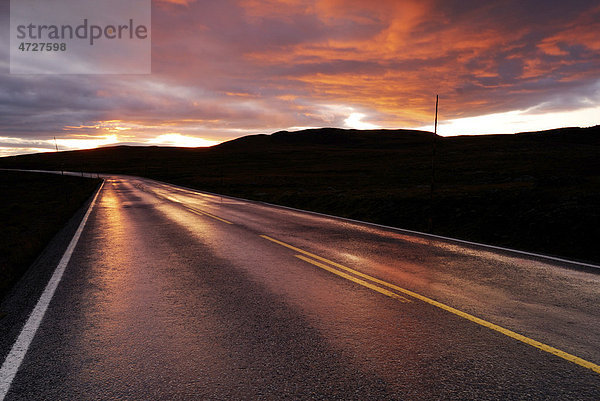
x: 172, y: 294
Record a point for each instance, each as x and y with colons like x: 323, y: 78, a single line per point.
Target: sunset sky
x: 224, y: 69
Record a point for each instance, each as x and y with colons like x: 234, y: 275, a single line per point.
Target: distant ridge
x: 386, y: 138
x: 337, y: 137
x: 329, y: 136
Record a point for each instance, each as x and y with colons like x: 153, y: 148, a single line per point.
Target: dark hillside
x: 534, y: 191
x: 33, y: 208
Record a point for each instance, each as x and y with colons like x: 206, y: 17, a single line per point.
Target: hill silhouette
x: 371, y: 139
x: 534, y: 191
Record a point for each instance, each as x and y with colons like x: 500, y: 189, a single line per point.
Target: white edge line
x: 401, y: 230
x: 19, y: 349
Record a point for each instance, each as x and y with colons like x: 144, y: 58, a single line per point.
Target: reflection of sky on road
x: 138, y: 314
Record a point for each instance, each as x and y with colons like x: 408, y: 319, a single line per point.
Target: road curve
x: 175, y: 294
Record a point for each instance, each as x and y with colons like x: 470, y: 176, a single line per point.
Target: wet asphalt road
x: 175, y: 295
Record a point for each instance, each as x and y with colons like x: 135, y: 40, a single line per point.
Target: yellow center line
x: 519, y: 337
x: 191, y: 209
x: 355, y: 272
x: 354, y: 279
x: 202, y: 213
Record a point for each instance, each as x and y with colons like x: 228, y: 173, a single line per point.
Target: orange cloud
x: 417, y: 50
x: 583, y: 32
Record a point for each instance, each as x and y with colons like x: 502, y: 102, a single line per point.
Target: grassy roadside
x: 537, y: 192
x: 33, y: 208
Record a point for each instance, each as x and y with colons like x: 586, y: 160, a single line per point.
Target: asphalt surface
x: 172, y: 294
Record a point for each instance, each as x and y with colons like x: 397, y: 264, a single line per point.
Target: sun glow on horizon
x: 85, y: 143
x: 354, y: 121
x: 516, y: 121
x: 176, y: 139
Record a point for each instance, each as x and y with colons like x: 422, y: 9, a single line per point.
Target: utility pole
x: 433, y: 152
x: 62, y: 171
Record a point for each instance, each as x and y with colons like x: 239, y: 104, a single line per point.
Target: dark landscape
x: 536, y: 191
x: 33, y: 207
